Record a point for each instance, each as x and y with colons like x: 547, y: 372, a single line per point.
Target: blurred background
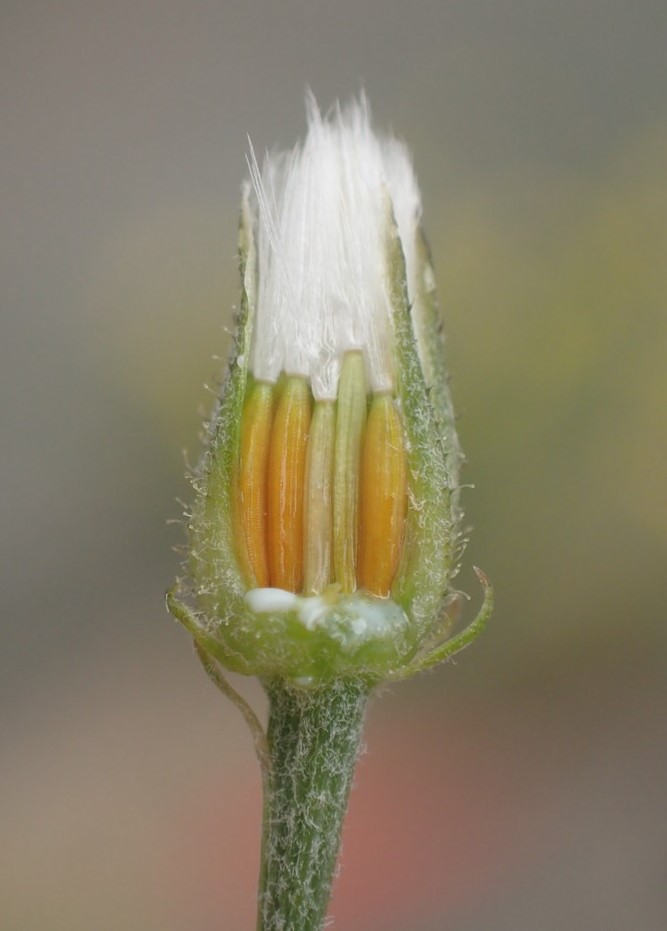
x: 522, y: 787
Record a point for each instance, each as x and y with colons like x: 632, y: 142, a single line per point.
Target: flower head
x: 326, y: 529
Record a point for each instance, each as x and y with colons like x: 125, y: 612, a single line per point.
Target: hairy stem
x: 314, y: 736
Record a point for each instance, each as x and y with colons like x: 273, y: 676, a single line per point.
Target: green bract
x: 313, y: 639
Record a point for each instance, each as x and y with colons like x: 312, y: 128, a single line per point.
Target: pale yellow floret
x: 350, y: 423
x: 286, y: 480
x: 318, y: 513
x: 384, y: 496
x: 321, y: 491
x: 250, y: 501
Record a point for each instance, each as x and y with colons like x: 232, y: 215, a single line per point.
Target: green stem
x: 314, y: 736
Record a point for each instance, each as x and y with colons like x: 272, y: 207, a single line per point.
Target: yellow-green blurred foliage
x: 558, y: 339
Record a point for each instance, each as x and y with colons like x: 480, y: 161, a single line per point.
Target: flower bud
x: 325, y: 532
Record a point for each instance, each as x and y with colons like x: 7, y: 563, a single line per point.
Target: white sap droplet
x: 358, y: 626
x: 304, y: 682
x: 311, y: 610
x: 266, y: 600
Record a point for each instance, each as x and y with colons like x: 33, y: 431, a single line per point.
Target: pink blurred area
x: 140, y: 806
x: 521, y: 787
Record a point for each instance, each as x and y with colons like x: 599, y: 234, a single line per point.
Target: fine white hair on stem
x: 322, y: 215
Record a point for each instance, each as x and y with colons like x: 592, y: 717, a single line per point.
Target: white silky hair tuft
x: 322, y: 212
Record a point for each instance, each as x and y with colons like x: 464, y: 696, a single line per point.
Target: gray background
x: 521, y: 788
